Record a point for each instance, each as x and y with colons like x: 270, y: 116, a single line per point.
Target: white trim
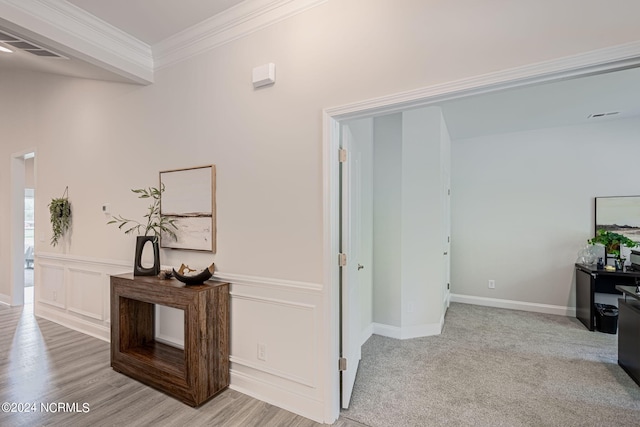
x: 273, y: 301
x: 267, y: 282
x: 275, y: 372
x: 166, y: 339
x: 76, y: 33
x: 234, y: 23
x: 5, y: 300
x: 408, y: 332
x: 51, y: 256
x: 366, y: 334
x: 264, y: 282
x: 593, y: 62
x: 515, y: 305
x: 331, y: 301
x: 275, y: 395
x: 75, y: 323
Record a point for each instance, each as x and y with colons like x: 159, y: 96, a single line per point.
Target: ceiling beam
x: 70, y: 30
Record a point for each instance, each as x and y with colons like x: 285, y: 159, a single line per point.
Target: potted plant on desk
x: 612, y: 243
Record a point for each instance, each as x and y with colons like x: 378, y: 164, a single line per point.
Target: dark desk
x: 629, y: 331
x: 590, y: 280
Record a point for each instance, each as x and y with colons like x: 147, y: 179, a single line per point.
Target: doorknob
x: 360, y: 266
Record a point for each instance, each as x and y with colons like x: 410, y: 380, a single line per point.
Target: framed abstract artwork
x: 618, y: 214
x: 189, y: 198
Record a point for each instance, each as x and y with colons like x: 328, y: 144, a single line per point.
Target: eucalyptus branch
x: 156, y: 224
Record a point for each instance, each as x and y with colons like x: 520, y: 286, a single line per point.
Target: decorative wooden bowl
x: 193, y: 279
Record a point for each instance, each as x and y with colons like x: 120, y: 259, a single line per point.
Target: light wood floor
x: 42, y: 362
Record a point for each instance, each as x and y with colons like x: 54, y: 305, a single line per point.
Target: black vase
x: 138, y: 269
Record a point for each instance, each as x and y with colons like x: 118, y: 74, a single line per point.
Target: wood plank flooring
x: 43, y: 363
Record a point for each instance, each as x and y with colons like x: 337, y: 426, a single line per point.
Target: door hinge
x: 342, y: 364
x: 343, y: 155
x: 342, y: 260
x: 448, y: 285
x: 449, y: 192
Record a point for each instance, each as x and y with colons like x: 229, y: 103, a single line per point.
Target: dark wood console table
x: 193, y: 375
x: 629, y: 331
x: 590, y: 280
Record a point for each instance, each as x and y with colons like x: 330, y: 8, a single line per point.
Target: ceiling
x: 559, y: 103
x: 152, y: 21
x: 148, y: 21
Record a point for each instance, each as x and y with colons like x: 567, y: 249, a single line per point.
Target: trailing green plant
x: 60, y: 210
x: 155, y: 224
x: 612, y: 241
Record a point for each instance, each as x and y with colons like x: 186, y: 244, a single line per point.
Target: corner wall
x: 410, y: 220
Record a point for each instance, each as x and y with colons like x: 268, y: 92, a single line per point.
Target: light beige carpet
x: 495, y: 367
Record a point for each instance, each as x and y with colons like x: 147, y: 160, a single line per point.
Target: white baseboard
x: 73, y: 322
x: 5, y: 300
x: 408, y: 332
x: 366, y: 334
x: 278, y: 396
x: 515, y: 305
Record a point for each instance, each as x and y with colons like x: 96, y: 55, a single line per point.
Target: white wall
x: 387, y: 220
x: 522, y: 208
x: 422, y: 220
x: 410, y: 219
x: 102, y: 139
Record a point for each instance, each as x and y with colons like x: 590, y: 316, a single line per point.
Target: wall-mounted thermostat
x: 264, y: 75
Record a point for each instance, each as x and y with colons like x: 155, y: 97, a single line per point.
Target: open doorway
x: 29, y: 240
x: 334, y: 117
x: 22, y: 227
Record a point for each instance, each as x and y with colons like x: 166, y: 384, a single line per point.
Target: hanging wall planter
x: 60, y: 210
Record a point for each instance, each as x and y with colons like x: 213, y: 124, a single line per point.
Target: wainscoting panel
x: 74, y: 291
x: 276, y: 328
x: 84, y: 286
x: 266, y: 326
x: 275, y: 342
x: 52, y: 289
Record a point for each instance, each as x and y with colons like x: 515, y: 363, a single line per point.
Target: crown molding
x: 232, y: 24
x: 598, y: 61
x: 71, y: 30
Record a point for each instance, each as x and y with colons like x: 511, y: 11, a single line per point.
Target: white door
x: 349, y: 287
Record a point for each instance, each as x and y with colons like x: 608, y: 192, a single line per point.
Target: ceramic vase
x: 138, y: 269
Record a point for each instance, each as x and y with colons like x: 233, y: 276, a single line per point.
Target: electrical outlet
x: 492, y: 284
x: 262, y: 352
x: 410, y: 307
x: 55, y: 296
